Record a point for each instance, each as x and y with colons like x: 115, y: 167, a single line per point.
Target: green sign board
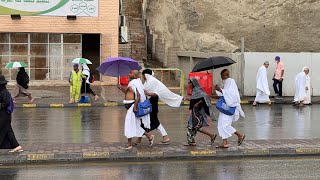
x: 49, y: 7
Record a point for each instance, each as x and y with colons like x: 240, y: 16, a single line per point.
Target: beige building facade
x: 48, y: 44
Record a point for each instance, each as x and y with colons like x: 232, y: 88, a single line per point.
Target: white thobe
x: 132, y: 125
x: 308, y: 92
x: 300, y: 84
x: 263, y: 91
x: 232, y: 97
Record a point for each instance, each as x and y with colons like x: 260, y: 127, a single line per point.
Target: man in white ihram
x: 301, y: 87
x: 263, y: 91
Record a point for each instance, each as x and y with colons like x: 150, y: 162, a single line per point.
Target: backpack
x: 11, y: 106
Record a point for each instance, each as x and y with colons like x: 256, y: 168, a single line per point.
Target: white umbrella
x: 16, y: 64
x: 81, y: 61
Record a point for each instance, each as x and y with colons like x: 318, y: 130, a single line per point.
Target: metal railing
x: 171, y: 77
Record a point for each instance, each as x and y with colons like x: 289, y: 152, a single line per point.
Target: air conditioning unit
x: 122, y: 21
x: 123, y: 34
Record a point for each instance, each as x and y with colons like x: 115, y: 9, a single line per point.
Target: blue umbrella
x: 118, y: 66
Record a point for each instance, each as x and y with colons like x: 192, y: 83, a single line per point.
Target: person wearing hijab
x: 263, y: 91
x: 86, y: 88
x: 22, y: 85
x: 156, y: 90
x: 231, y: 95
x: 301, y: 87
x: 200, y: 107
x: 7, y: 137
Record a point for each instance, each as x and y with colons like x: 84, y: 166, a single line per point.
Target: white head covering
x: 165, y: 95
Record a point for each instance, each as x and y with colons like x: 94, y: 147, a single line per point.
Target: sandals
x: 126, y: 147
x: 164, y: 142
x: 241, y: 140
x: 190, y: 144
x: 213, y: 139
x: 14, y: 151
x: 136, y: 144
x: 222, y: 146
x: 151, y: 140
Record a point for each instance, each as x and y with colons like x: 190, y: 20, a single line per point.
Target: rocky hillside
x: 218, y: 25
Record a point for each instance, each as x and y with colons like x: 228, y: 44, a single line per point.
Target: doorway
x: 91, y: 51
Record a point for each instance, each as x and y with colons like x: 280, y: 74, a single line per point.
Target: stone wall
x: 218, y: 25
x: 136, y: 46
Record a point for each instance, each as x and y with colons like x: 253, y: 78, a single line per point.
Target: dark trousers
x: 277, y: 90
x: 86, y: 88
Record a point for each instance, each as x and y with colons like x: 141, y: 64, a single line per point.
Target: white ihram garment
x: 132, y: 125
x: 263, y: 91
x: 153, y: 85
x: 308, y: 92
x: 232, y: 97
x: 300, y: 83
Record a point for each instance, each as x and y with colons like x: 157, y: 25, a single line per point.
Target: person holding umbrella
x: 134, y: 94
x: 22, y: 85
x: 201, y: 108
x: 86, y: 88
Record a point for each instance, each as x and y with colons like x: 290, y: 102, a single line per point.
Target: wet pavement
x: 105, y: 124
x: 277, y: 168
x: 93, y: 133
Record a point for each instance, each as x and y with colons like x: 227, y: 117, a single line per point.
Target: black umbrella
x: 213, y: 63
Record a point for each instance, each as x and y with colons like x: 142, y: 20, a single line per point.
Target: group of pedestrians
x: 139, y: 89
x: 302, y: 85
x: 80, y: 81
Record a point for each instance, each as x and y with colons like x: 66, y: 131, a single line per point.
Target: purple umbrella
x: 118, y: 66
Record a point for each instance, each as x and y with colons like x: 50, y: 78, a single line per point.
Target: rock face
x: 218, y: 25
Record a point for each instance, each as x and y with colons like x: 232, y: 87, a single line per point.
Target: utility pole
x: 242, y: 66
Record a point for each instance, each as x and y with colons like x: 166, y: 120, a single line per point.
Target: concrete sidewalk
x: 114, y: 152
x: 58, y: 96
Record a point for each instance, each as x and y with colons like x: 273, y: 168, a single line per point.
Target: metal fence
x: 173, y: 78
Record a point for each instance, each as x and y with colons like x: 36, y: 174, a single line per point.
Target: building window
x: 48, y: 56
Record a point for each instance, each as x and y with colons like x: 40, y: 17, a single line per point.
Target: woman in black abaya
x: 7, y: 137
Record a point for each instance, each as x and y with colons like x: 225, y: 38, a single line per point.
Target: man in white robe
x: 308, y: 100
x: 134, y: 94
x: 155, y: 89
x: 301, y: 87
x: 232, y: 97
x: 263, y: 91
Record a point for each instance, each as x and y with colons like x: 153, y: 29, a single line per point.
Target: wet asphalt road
x: 285, y: 168
x: 105, y: 124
